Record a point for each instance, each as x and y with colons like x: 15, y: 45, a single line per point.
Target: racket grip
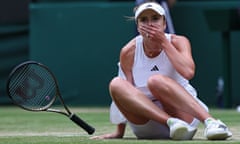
x: 82, y: 124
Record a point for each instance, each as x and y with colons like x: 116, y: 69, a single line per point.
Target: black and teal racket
x: 32, y: 86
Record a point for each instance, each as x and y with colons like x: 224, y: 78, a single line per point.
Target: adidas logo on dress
x: 155, y: 68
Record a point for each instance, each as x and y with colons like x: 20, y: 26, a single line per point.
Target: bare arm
x: 179, y: 53
x: 126, y: 61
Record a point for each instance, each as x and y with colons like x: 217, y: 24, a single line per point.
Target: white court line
x: 58, y: 134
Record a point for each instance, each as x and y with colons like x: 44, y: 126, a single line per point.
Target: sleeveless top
x: 144, y: 67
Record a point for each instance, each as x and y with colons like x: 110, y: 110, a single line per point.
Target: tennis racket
x: 32, y: 86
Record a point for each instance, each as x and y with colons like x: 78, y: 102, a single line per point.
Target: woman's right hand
x: 107, y: 136
x: 116, y: 135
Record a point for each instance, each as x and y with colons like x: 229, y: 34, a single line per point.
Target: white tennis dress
x: 143, y: 68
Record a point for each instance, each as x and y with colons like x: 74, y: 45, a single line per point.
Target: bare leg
x: 175, y: 97
x: 135, y: 106
x: 139, y: 109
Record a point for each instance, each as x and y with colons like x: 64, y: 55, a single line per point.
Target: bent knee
x: 158, y: 81
x: 115, y: 83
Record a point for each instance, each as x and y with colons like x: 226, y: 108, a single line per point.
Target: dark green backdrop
x: 80, y: 42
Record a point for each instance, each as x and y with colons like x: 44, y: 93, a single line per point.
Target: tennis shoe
x: 180, y: 130
x: 216, y: 130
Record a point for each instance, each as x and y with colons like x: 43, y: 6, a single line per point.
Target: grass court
x: 23, y: 127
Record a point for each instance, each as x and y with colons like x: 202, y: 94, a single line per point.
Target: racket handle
x: 82, y: 124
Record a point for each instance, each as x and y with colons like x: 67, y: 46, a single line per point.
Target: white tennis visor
x: 150, y: 5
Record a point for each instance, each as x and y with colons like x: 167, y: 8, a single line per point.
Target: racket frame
x: 47, y: 108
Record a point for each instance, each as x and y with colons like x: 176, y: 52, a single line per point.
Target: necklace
x: 151, y: 53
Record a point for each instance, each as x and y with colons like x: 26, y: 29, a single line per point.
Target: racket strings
x: 47, y: 93
x: 17, y: 86
x: 14, y: 83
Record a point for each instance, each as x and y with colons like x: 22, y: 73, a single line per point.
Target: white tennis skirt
x: 156, y: 130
